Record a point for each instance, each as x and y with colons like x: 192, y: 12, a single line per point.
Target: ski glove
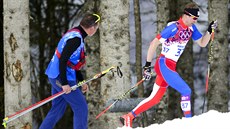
x: 147, y: 71
x: 212, y: 26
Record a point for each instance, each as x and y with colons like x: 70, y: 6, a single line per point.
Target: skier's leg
x: 158, y: 91
x: 79, y: 107
x: 57, y: 110
x: 176, y: 82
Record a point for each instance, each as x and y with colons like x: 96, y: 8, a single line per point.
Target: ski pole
x: 120, y: 98
x: 208, y: 72
x: 42, y: 102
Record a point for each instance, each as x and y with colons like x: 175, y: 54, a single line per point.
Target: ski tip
x: 4, y: 122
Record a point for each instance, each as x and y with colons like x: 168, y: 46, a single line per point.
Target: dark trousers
x: 78, y: 105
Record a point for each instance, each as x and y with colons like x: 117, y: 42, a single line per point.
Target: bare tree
x: 218, y: 96
x: 1, y: 61
x: 137, y: 17
x: 114, y: 49
x: 17, y: 61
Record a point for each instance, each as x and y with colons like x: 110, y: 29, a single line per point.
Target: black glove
x: 212, y: 26
x: 147, y: 71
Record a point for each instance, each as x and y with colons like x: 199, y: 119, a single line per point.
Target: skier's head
x: 90, y: 20
x: 191, y: 14
x: 192, y: 9
x: 90, y: 23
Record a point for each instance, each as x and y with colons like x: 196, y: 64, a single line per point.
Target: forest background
x: 31, y: 29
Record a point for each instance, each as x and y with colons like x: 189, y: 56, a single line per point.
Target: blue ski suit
x: 76, y: 98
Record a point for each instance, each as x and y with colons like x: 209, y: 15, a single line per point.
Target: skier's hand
x: 66, y: 88
x: 212, y: 26
x: 85, y: 88
x: 147, y: 73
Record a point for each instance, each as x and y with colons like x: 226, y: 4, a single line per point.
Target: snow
x: 209, y: 120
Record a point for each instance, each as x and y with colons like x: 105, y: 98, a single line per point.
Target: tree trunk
x: 114, y: 49
x: 92, y: 68
x: 218, y: 95
x: 138, y: 34
x: 1, y: 61
x: 17, y: 61
x: 138, y: 46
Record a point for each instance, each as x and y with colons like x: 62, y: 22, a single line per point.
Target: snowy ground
x: 209, y: 120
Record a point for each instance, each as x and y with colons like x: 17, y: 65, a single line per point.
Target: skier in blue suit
x: 63, y: 72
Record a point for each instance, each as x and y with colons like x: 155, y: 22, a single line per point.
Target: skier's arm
x: 152, y: 49
x: 206, y: 38
x: 202, y: 42
x: 169, y: 31
x: 70, y: 47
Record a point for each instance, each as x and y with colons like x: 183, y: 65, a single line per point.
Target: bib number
x: 185, y: 105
